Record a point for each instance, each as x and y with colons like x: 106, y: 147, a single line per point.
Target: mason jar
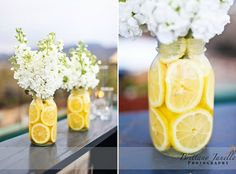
x: 43, y: 121
x: 181, y: 98
x: 78, y: 109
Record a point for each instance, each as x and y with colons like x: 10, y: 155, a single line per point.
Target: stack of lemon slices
x: 181, y: 96
x: 78, y: 111
x: 43, y: 121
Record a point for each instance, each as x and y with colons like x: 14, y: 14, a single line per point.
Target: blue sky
x: 72, y: 20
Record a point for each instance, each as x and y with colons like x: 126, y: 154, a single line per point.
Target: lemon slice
x: 191, y: 131
x: 184, y: 86
x: 40, y: 133
x: 34, y: 112
x: 86, y: 98
x: 209, y: 90
x: 203, y: 64
x: 86, y: 119
x: 54, y: 133
x: 195, y: 47
x: 166, y: 113
x: 75, y: 104
x: 156, y: 85
x: 49, y: 116
x: 76, y: 121
x: 172, y: 52
x: 49, y: 103
x: 87, y: 107
x: 159, y: 130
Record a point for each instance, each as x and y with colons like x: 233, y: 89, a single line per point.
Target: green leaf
x: 47, y: 43
x: 20, y: 36
x: 65, y: 79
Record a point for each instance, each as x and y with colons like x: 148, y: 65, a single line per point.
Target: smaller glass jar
x: 43, y: 121
x: 78, y: 109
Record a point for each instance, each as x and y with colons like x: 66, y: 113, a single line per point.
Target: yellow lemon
x: 167, y: 113
x: 172, y: 52
x: 86, y: 98
x: 87, y: 107
x: 49, y: 103
x: 191, y: 131
x: 54, y: 133
x: 156, y: 85
x: 40, y: 133
x: 76, y: 121
x: 75, y: 104
x: 35, y: 111
x: 86, y: 119
x: 184, y: 86
x: 49, y: 116
x: 86, y: 124
x: 195, y: 47
x: 202, y: 63
x: 208, y: 97
x: 159, y: 130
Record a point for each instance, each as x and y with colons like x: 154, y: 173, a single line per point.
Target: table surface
x: 134, y: 137
x: 18, y: 155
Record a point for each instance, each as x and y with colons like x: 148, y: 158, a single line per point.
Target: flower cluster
x: 81, y: 69
x: 171, y: 19
x: 41, y: 72
x: 38, y: 71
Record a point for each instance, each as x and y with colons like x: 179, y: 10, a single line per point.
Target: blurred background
x: 135, y: 57
x: 94, y: 22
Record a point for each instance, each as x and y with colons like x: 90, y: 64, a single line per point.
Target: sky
x: 91, y: 21
x: 136, y: 55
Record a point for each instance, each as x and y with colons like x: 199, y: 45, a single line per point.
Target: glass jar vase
x: 43, y: 122
x: 78, y: 110
x: 181, y: 98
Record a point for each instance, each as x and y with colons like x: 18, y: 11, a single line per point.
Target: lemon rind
x: 53, y: 139
x: 166, y: 143
x: 37, y: 118
x: 161, y: 86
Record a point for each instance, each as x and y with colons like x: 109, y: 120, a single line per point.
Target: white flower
x: 80, y: 70
x: 38, y: 71
x: 128, y: 25
x: 209, y: 21
x: 170, y: 19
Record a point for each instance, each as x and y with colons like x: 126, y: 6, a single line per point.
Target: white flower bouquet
x: 170, y: 19
x: 38, y: 71
x: 80, y: 69
x: 41, y: 72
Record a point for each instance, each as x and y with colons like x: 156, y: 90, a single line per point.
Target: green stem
x: 189, y: 35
